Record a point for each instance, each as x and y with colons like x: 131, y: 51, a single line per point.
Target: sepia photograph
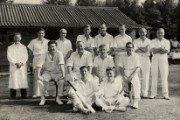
x: 89, y: 59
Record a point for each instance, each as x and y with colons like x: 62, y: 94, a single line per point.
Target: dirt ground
x: 156, y: 109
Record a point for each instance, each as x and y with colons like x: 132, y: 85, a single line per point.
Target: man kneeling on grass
x: 111, y: 93
x: 87, y: 90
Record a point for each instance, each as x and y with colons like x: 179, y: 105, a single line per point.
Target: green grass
x: 28, y: 109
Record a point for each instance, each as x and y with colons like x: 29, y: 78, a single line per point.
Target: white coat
x: 18, y: 76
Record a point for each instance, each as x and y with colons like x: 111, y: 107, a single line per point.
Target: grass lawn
x: 28, y: 109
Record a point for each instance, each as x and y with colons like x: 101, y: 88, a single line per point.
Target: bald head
x: 62, y: 33
x: 160, y: 33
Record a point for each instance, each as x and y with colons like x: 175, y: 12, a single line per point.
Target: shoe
x: 75, y: 109
x: 86, y: 112
x: 120, y: 109
x: 151, y: 97
x: 46, y: 94
x: 69, y: 102
x: 42, y: 102
x: 135, y: 104
x: 58, y: 101
x: 166, y: 98
x: 144, y: 97
x: 34, y: 96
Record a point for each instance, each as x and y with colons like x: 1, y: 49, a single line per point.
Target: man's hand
x: 18, y: 65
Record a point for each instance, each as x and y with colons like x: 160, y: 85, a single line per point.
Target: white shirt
x: 120, y: 41
x: 38, y: 47
x: 87, y: 42
x: 140, y: 43
x: 129, y: 62
x: 164, y: 43
x: 107, y: 40
x: 111, y: 89
x: 64, y: 46
x: 86, y: 89
x: 52, y: 65
x: 17, y: 53
x: 103, y: 64
x: 76, y: 61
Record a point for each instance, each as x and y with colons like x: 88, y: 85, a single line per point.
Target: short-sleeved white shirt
x: 87, y: 42
x: 120, y: 41
x: 164, y: 43
x: 129, y: 62
x: 86, y: 89
x: 140, y: 43
x: 103, y: 64
x: 76, y: 61
x: 52, y: 66
x: 111, y: 89
x: 64, y: 46
x: 107, y: 40
x: 38, y: 47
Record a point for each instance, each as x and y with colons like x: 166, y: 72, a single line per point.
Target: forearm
x: 62, y: 70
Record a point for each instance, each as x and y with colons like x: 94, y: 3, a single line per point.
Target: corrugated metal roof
x: 21, y: 15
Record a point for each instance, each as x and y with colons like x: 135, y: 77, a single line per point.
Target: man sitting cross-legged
x: 87, y: 88
x: 111, y: 93
x: 52, y: 68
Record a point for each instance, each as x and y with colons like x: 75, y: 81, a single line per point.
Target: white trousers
x: 136, y: 87
x: 159, y: 65
x: 144, y: 74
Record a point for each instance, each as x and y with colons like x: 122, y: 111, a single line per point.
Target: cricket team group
x: 109, y: 72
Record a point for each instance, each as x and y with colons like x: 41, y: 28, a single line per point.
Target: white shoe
x: 58, y: 101
x: 69, y: 102
x: 120, y: 109
x: 42, y: 102
x: 34, y: 96
x: 75, y: 109
x: 135, y: 104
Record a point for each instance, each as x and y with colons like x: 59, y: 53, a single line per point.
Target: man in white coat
x: 160, y: 47
x: 17, y: 56
x: 38, y: 47
x: 142, y: 49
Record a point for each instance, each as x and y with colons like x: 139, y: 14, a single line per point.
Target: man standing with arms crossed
x: 160, y: 47
x: 142, y: 49
x: 64, y: 45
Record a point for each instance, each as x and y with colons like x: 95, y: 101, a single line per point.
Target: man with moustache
x: 51, y: 68
x: 38, y: 47
x: 160, y: 47
x: 142, y: 49
x: 17, y: 56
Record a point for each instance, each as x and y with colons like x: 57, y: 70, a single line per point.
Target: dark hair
x: 86, y: 26
x: 128, y: 43
x: 52, y: 42
x: 121, y: 25
x: 83, y: 67
x: 17, y: 33
x: 102, y: 45
x: 41, y: 29
x: 110, y: 69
